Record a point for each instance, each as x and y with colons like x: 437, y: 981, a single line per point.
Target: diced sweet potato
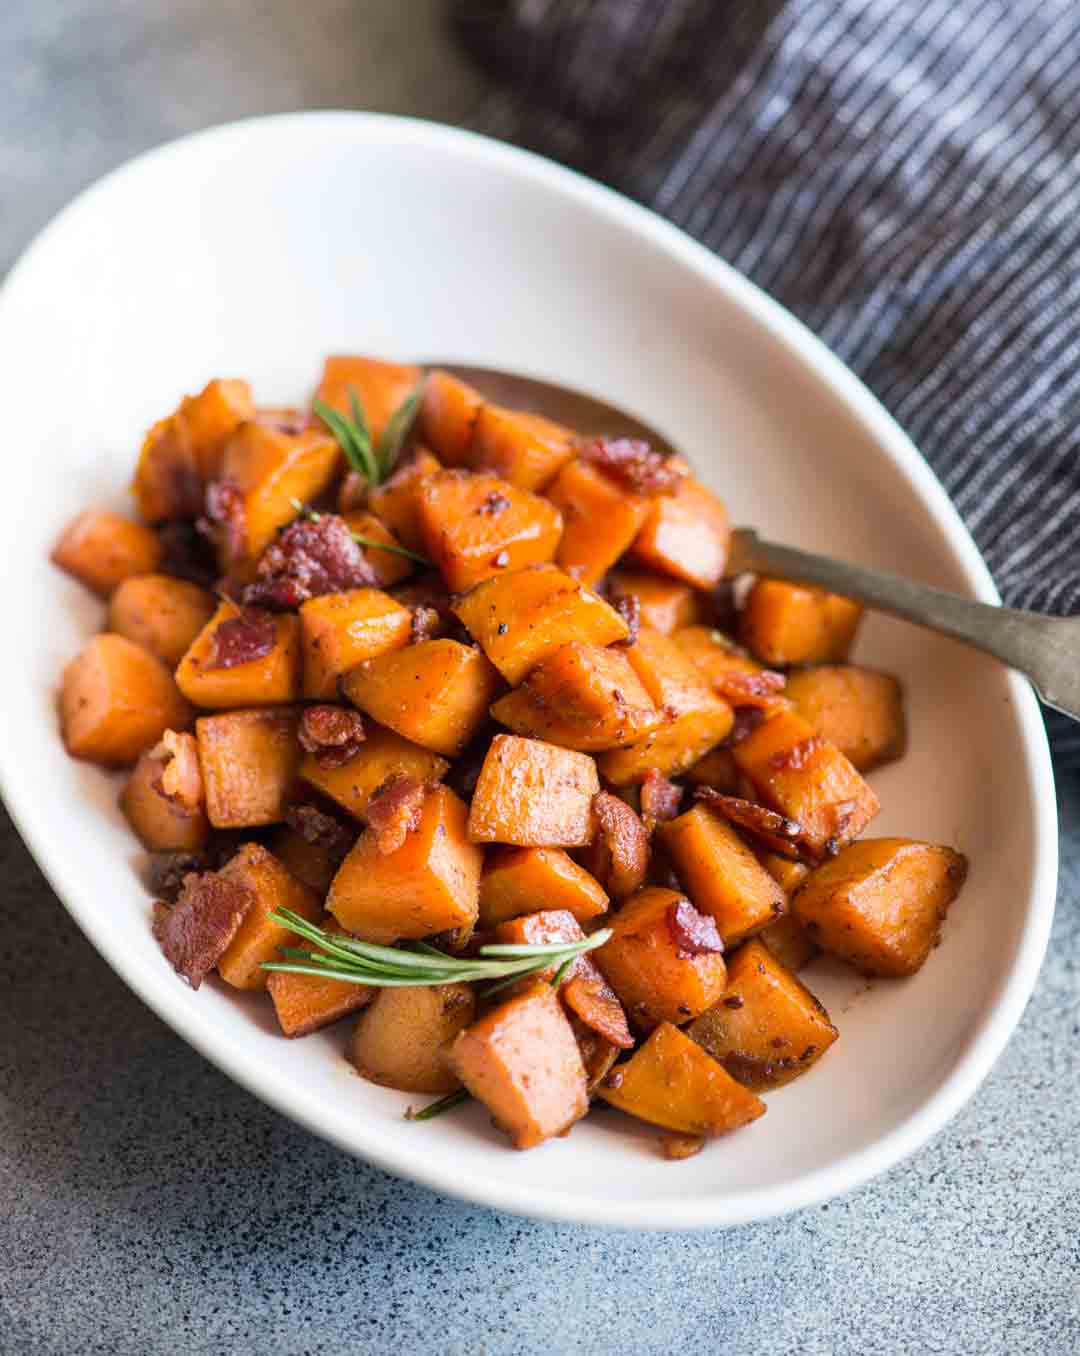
x: 161, y: 823
x: 271, y: 678
x: 667, y: 605
x: 522, y: 618
x: 400, y: 1040
x: 717, y: 769
x: 721, y: 874
x: 382, y: 754
x: 101, y: 549
x: 307, y: 1003
x: 788, y: 874
x: 670, y: 1081
x: 600, y: 519
x: 880, y: 904
x: 714, y: 654
x: 520, y: 881
x: 695, y: 718
x: 475, y: 526
x: 160, y: 613
x: 768, y: 1028
x: 532, y: 794
x: 381, y: 387
x: 340, y: 630
x: 259, y: 937
x: 656, y: 975
x: 430, y: 884
x: 435, y: 693
x: 525, y: 449
x: 389, y: 566
x: 861, y: 711
x: 686, y: 534
x: 310, y: 863
x: 795, y: 624
x: 117, y: 699
x: 249, y: 762
x: 182, y: 452
x: 397, y: 502
x: 522, y: 1061
x: 448, y: 417
x: 789, y: 942
x: 807, y: 779
x: 545, y: 928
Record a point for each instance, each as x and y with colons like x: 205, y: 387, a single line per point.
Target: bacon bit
x: 635, y: 465
x: 225, y: 512
x: 693, y: 933
x: 321, y: 830
x: 782, y: 835
x: 186, y: 554
x: 734, y: 1001
x: 196, y: 933
x: 624, y: 844
x: 592, y: 999
x: 168, y: 869
x: 429, y: 593
x: 394, y: 810
x: 425, y: 622
x: 241, y: 640
x: 494, y: 503
x: 660, y: 799
x: 291, y: 422
x: 628, y: 606
x: 353, y: 492
x: 747, y: 719
x: 180, y: 779
x: 675, y: 1147
x: 312, y: 556
x: 798, y: 755
x: 332, y: 733
x: 751, y: 689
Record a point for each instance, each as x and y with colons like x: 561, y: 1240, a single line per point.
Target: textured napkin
x: 904, y: 175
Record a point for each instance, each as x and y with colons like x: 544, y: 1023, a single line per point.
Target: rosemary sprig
x: 397, y: 430
x: 369, y: 543
x: 375, y: 463
x: 433, y: 1109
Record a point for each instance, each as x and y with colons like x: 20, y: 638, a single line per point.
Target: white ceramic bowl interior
x: 254, y: 250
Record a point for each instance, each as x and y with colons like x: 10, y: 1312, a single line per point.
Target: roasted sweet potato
x: 667, y: 605
x: 880, y: 904
x: 160, y: 613
x: 788, y: 873
x: 430, y: 884
x: 435, y: 693
x: 381, y: 387
x: 721, y: 874
x: 397, y: 502
x: 717, y: 769
x: 476, y: 525
x: 695, y: 718
x: 525, y: 449
x: 670, y: 1081
x: 785, y: 624
x: 259, y: 937
x: 861, y: 711
x: 341, y: 630
x: 389, y: 566
x: 382, y: 754
x: 249, y: 761
x: 215, y: 674
x: 601, y: 519
x: 807, y: 779
x: 789, y: 942
x: 520, y: 881
x: 522, y: 618
x: 532, y: 794
x: 117, y: 699
x: 309, y: 862
x: 686, y: 534
x: 663, y: 960
x: 448, y: 417
x: 162, y: 823
x: 716, y: 655
x: 522, y: 1061
x: 400, y: 1040
x: 768, y: 1028
x: 101, y: 549
x: 307, y: 1003
x: 544, y: 928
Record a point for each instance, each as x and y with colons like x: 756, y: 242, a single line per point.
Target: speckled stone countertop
x: 150, y: 1207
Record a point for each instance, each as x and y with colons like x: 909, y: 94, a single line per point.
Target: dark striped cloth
x: 903, y: 174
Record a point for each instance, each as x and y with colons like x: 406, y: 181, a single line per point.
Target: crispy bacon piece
x: 196, y: 932
x: 180, y: 779
x: 426, y: 622
x: 353, y: 492
x: 239, y: 640
x: 795, y: 757
x: 225, y: 512
x: 660, y: 799
x: 394, y: 810
x: 693, y: 933
x: 628, y: 606
x: 321, y: 830
x: 588, y: 995
x: 312, y: 556
x: 623, y: 846
x: 186, y: 554
x: 332, y: 733
x: 780, y: 834
x: 751, y: 689
x: 168, y: 869
x: 747, y: 719
x: 634, y: 464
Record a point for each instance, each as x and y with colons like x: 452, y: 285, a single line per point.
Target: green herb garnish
x: 375, y: 464
x: 433, y: 1109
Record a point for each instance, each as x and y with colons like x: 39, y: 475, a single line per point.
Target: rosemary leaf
x: 433, y: 1109
x: 352, y: 437
x: 397, y: 431
x: 392, y: 547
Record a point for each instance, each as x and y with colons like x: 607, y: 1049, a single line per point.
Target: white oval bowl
x: 255, y: 249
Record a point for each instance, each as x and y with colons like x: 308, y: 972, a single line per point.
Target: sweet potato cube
x: 117, y: 699
x: 714, y: 654
x: 435, y: 693
x: 260, y: 938
x: 670, y: 1081
x: 389, y: 566
x: 789, y: 942
x: 160, y: 613
x: 600, y: 519
x: 381, y: 387
x: 159, y: 823
x: 401, y: 1040
x: 686, y: 535
x: 717, y: 769
x: 667, y: 605
x: 788, y: 874
x: 721, y: 874
x: 861, y: 711
x: 525, y: 449
x: 656, y: 977
x: 532, y: 794
x: 268, y: 680
x: 182, y: 452
x: 430, y: 884
x: 519, y: 881
x: 101, y: 549
x: 249, y: 761
x: 768, y: 1028
x: 520, y: 619
x: 543, y: 928
x: 804, y: 777
x: 880, y: 904
x: 340, y: 630
x: 584, y: 697
x: 380, y: 755
x: 307, y: 1003
x: 448, y: 417
x: 786, y: 623
x: 476, y: 525
x: 695, y: 718
x: 312, y: 863
x: 522, y: 1061
x: 397, y: 502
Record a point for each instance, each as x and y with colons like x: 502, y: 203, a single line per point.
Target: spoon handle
x: 1046, y: 649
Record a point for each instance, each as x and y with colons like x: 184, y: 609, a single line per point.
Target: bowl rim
x: 994, y: 1027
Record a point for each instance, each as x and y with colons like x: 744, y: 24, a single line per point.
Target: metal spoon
x: 1045, y: 649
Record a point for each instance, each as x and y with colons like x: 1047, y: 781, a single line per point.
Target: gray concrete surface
x: 148, y: 1206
